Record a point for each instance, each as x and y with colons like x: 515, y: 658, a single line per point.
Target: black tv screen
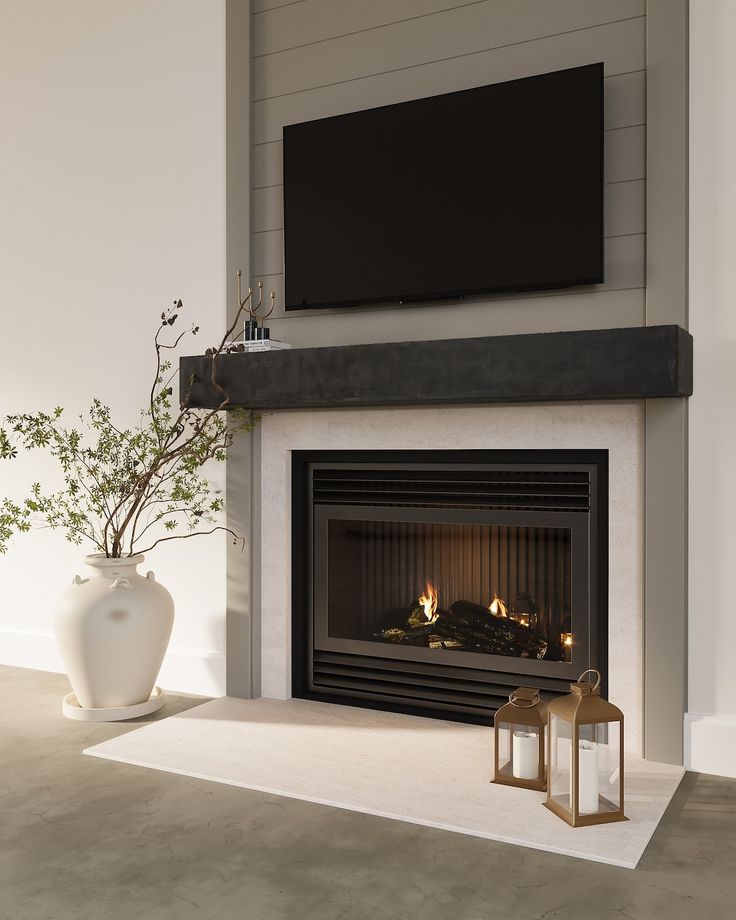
x: 497, y: 188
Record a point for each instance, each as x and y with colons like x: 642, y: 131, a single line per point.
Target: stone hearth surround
x: 617, y: 427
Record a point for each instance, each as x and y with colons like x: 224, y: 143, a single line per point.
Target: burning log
x: 465, y: 626
x: 501, y: 632
x: 406, y: 636
x: 436, y: 641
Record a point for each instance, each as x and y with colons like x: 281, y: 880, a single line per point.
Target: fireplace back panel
x: 386, y: 562
x: 477, y: 524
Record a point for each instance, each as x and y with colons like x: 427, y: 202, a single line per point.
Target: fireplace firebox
x: 437, y: 582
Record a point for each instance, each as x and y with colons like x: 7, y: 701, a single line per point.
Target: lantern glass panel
x: 560, y: 761
x: 599, y: 753
x: 518, y: 750
x: 504, y: 748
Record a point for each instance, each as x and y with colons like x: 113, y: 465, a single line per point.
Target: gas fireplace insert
x: 437, y: 582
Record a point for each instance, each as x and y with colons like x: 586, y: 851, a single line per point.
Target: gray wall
x: 316, y: 58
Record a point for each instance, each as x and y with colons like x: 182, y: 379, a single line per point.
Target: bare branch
x: 197, y: 533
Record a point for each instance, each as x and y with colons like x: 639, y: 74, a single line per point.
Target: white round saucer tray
x: 72, y: 710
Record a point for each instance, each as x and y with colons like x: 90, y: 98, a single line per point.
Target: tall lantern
x: 519, y: 735
x: 586, y: 756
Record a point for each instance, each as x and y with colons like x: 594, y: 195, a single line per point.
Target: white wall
x: 711, y: 720
x: 112, y: 192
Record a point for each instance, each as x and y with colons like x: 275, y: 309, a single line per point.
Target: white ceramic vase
x: 112, y: 630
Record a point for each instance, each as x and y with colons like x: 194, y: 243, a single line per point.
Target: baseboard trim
x: 710, y: 744
x: 193, y: 672
x: 200, y: 673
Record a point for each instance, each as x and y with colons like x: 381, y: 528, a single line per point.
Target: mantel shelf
x: 635, y: 363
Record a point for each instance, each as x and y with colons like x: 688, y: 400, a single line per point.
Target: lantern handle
x: 597, y: 677
x: 529, y: 704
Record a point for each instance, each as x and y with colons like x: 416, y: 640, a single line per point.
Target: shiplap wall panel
x: 268, y: 208
x: 320, y: 20
x: 621, y: 46
x: 625, y: 153
x: 262, y: 6
x: 267, y: 164
x: 268, y: 253
x: 454, y: 33
x: 625, y: 100
x: 625, y: 208
x: 560, y: 311
x: 327, y: 57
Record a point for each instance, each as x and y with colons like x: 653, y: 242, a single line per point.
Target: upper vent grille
x: 500, y: 489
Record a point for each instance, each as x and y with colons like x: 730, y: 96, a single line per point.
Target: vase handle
x: 150, y: 576
x: 78, y: 580
x: 119, y: 583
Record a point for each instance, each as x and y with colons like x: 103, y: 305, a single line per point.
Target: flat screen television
x: 491, y: 189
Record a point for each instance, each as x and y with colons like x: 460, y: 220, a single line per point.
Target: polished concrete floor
x: 87, y: 839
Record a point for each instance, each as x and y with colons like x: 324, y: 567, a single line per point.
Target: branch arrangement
x: 128, y: 489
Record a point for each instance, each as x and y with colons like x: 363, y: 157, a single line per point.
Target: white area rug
x: 423, y: 771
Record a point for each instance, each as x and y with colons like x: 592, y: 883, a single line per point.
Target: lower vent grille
x: 473, y: 695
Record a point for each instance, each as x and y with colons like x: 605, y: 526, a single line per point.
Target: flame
x: 566, y: 639
x: 428, y: 600
x: 497, y: 607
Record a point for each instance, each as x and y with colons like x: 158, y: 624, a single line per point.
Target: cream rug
x: 412, y: 769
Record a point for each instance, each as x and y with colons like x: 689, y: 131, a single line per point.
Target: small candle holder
x: 254, y: 329
x: 519, y: 741
x: 262, y: 332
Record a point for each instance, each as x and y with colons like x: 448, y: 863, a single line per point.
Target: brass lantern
x: 586, y: 756
x: 519, y: 735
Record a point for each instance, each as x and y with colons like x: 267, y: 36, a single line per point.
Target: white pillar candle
x: 587, y: 778
x: 525, y: 755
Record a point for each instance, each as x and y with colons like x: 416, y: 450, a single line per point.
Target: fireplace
x: 436, y: 583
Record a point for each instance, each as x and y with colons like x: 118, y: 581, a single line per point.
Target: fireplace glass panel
x: 481, y: 588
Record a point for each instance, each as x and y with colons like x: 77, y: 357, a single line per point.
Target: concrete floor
x: 86, y: 839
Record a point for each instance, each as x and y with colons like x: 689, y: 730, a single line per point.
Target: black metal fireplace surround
x: 434, y: 582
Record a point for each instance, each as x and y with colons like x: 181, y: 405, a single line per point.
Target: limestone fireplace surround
x: 616, y: 427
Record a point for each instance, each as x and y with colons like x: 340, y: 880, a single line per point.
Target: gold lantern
x: 519, y: 735
x: 586, y: 756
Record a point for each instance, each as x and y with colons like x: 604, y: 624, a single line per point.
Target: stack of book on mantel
x: 255, y: 345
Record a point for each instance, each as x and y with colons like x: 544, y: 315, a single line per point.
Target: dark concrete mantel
x: 635, y: 363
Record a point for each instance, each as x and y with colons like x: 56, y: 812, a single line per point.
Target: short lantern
x: 586, y: 756
x: 519, y: 734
